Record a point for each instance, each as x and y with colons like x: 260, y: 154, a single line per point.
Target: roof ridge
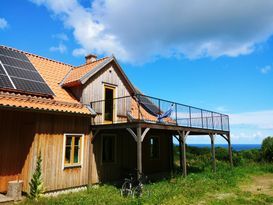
x: 35, y: 55
x: 91, y: 62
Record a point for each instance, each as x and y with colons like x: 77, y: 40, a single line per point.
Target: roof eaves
x: 125, y: 76
x: 96, y: 69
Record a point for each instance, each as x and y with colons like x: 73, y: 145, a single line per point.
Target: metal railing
x: 154, y: 110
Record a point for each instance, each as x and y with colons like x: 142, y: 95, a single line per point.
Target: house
x: 89, y: 123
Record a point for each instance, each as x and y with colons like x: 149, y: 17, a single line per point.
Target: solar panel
x: 18, y: 73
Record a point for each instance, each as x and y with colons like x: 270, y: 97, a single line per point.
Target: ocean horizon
x: 237, y: 147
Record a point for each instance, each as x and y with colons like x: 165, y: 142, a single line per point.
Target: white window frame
x: 64, y: 166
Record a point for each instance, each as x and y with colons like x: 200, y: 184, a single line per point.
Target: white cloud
x: 137, y: 31
x: 259, y: 119
x: 79, y: 52
x: 3, y: 23
x: 60, y: 48
x: 61, y: 36
x: 266, y: 69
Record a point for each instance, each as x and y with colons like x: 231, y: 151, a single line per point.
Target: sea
x: 237, y: 147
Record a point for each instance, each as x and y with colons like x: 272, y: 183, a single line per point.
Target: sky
x: 216, y: 55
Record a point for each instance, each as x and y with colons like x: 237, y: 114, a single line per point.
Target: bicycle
x: 134, y: 187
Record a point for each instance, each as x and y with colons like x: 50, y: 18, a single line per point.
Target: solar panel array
x: 18, y: 73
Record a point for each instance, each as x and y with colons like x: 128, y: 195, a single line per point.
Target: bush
x: 36, y: 183
x: 267, y: 149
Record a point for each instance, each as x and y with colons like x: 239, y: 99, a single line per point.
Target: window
x: 73, y: 149
x: 154, y: 148
x: 108, y: 148
x: 109, y: 103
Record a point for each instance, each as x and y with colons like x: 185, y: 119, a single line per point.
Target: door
x: 109, y: 104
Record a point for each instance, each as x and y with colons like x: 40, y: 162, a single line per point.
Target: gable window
x: 73, y: 149
x: 108, y: 148
x: 154, y: 148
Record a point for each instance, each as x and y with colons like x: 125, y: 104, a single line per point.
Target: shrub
x: 267, y: 149
x: 36, y: 183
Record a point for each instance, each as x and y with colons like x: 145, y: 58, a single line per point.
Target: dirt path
x: 260, y: 185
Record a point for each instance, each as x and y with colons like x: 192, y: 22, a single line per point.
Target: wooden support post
x: 184, y: 155
x: 212, y: 138
x: 182, y: 143
x: 180, y: 153
x: 139, y: 152
x: 229, y: 150
x: 171, y: 153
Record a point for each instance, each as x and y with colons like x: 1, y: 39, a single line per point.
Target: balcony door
x: 109, y: 108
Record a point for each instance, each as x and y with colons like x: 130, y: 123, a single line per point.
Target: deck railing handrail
x: 208, y: 119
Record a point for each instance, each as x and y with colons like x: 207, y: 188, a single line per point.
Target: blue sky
x: 217, y: 56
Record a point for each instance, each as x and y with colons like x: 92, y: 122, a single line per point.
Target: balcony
x: 147, y: 109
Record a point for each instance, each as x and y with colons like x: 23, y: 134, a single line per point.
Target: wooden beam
x: 139, y: 152
x: 180, y: 153
x: 230, y: 151
x: 212, y: 139
x: 227, y: 138
x: 144, y: 133
x: 94, y: 135
x: 183, y: 161
x: 132, y: 133
x: 171, y: 153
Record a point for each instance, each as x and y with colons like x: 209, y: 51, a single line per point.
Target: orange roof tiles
x: 53, y: 73
x: 31, y: 102
x: 78, y: 72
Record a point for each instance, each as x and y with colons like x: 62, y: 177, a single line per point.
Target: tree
x: 267, y: 149
x: 36, y: 183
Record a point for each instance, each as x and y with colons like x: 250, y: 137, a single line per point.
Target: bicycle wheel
x: 137, y: 192
x: 126, y: 189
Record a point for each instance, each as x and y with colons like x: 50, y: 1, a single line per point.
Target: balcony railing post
x: 159, y: 110
x: 190, y: 115
x: 228, y: 122
x: 202, y: 118
x: 176, y: 114
x: 221, y: 121
x: 138, y: 106
x: 212, y: 120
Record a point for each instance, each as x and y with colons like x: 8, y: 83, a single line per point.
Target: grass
x: 222, y: 187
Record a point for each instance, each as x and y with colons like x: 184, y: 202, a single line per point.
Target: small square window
x: 108, y: 148
x: 73, y: 149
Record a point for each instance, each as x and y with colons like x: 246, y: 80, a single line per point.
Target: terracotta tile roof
x: 77, y: 73
x: 53, y: 73
x: 38, y: 103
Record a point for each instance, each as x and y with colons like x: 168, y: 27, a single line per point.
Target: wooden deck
x: 143, y: 114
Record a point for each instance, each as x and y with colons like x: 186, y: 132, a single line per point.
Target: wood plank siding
x: 93, y: 90
x: 125, y: 155
x: 24, y: 134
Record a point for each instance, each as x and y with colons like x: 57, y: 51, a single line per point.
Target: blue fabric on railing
x: 166, y: 114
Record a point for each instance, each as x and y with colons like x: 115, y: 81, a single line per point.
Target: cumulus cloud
x: 259, y: 119
x: 266, y: 69
x: 60, y: 48
x: 3, y: 23
x: 137, y: 31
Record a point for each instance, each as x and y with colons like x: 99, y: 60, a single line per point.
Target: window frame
x: 114, y: 88
x: 115, y: 149
x: 149, y: 145
x: 81, y: 157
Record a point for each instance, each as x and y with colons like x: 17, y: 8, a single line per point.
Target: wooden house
x: 90, y: 124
